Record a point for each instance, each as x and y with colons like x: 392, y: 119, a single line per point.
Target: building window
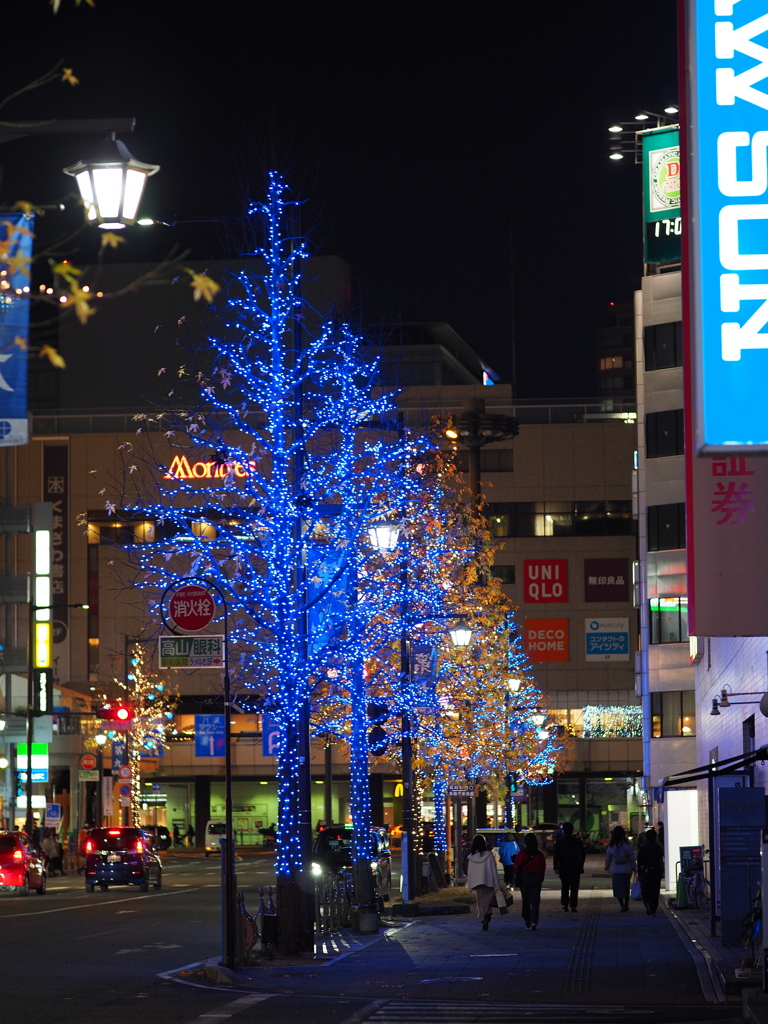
x: 663, y: 344
x: 664, y: 433
x: 748, y: 735
x: 561, y: 518
x: 505, y: 573
x: 615, y: 383
x: 666, y: 527
x: 669, y: 620
x: 673, y: 713
x: 611, y: 362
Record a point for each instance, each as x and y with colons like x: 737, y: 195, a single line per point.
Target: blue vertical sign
x: 270, y: 736
x: 727, y: 199
x: 15, y: 262
x: 210, y: 736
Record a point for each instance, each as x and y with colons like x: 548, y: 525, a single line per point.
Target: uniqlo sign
x: 546, y: 639
x: 545, y: 580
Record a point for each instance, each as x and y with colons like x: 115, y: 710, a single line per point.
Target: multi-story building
x: 666, y: 672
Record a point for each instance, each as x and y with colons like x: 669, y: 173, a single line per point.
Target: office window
x: 611, y: 362
x: 669, y: 620
x: 561, y: 518
x: 673, y: 713
x: 663, y: 345
x: 505, y: 573
x: 664, y: 434
x: 666, y: 527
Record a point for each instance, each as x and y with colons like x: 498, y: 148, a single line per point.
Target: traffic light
x: 119, y: 714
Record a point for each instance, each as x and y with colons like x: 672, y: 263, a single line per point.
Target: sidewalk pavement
x: 598, y: 956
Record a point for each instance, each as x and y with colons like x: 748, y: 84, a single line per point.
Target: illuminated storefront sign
x: 182, y: 469
x: 545, y: 580
x: 661, y: 195
x: 546, y: 639
x: 727, y: 152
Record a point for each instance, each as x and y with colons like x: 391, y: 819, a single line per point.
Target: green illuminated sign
x: 661, y: 196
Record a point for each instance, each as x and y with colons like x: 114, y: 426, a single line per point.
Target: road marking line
x: 236, y: 1006
x: 93, y: 903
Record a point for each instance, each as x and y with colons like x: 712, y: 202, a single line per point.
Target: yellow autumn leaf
x: 111, y: 239
x: 18, y: 264
x: 54, y: 358
x: 204, y: 287
x: 20, y: 342
x: 78, y: 298
x: 66, y: 270
x: 67, y: 76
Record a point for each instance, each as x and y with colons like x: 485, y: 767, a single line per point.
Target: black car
x: 163, y: 840
x: 121, y: 856
x: 332, y: 853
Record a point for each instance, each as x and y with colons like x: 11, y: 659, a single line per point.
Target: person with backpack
x: 508, y: 849
x: 650, y: 871
x: 568, y: 863
x: 620, y: 861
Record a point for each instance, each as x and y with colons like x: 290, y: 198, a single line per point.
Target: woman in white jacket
x: 620, y: 861
x: 483, y: 877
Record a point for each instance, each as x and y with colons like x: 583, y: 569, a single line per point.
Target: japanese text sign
x: 606, y: 579
x: 606, y: 639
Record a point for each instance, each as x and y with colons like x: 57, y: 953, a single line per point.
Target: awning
x: 724, y: 767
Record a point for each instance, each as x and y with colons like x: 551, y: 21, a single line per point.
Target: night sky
x: 455, y: 156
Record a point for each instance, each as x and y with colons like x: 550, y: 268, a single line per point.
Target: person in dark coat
x: 568, y: 863
x: 650, y: 871
x: 529, y: 871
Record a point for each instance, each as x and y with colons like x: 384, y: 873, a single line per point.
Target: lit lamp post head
x: 111, y: 184
x: 384, y: 535
x: 514, y: 684
x: 460, y: 633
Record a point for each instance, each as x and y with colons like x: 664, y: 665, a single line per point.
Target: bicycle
x: 697, y: 889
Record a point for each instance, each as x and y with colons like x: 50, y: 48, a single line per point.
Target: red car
x: 21, y: 866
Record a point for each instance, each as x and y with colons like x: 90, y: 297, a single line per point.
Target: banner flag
x: 15, y: 261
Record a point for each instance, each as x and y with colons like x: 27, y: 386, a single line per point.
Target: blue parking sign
x: 210, y: 738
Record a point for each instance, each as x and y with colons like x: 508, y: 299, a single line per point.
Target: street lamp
x: 384, y: 537
x: 111, y: 184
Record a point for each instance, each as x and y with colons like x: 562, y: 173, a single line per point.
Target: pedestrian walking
x: 508, y: 849
x: 530, y: 867
x: 50, y: 849
x: 176, y: 835
x: 483, y: 878
x: 650, y: 871
x: 620, y: 861
x: 190, y: 835
x: 568, y: 863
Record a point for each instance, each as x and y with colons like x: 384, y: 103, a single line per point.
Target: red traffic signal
x: 121, y: 715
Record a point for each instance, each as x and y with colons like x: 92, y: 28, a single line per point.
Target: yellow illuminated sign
x: 42, y: 656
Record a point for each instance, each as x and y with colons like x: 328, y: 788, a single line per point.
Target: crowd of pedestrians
x: 525, y: 868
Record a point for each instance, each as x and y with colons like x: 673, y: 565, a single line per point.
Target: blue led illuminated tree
x: 298, y: 456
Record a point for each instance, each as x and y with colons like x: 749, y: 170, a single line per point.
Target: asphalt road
x: 100, y: 957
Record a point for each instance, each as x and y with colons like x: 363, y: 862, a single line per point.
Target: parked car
x: 163, y: 840
x: 332, y: 853
x: 121, y: 856
x: 21, y: 866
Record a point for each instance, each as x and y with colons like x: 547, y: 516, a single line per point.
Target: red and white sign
x: 546, y: 639
x: 88, y: 761
x: 124, y: 772
x: 191, y: 608
x: 545, y: 580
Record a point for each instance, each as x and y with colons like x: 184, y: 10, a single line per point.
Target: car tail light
x: 139, y: 846
x: 89, y: 846
x: 18, y: 855
x: 114, y: 832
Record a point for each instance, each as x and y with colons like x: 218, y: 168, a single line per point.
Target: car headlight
x: 316, y: 870
x: 374, y: 864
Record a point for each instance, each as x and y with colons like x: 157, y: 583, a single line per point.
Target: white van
x: 214, y: 831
